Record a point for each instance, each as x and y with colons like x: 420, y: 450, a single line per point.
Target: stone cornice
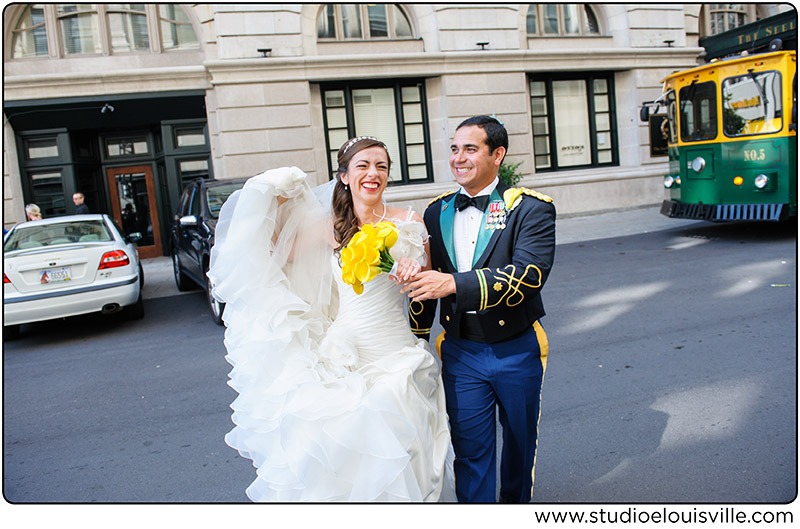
x: 365, y: 66
x: 16, y: 87
x: 337, y: 67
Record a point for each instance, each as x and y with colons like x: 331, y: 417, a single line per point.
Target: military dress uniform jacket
x: 513, y: 257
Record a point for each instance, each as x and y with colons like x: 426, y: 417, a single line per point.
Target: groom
x: 492, y: 249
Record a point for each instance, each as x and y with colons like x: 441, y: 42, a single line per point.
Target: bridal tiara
x: 355, y: 140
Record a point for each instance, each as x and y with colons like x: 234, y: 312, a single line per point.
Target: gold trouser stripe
x: 544, y: 348
x: 439, y: 340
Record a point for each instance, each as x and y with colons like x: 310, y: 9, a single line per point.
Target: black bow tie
x: 464, y: 201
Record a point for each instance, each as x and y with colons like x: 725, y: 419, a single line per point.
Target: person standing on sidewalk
x: 492, y: 248
x: 80, y: 207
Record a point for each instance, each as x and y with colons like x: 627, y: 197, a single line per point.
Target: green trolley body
x: 711, y: 189
x: 732, y: 139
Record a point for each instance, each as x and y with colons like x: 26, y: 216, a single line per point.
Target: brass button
x: 439, y: 269
x: 501, y: 322
x: 447, y: 318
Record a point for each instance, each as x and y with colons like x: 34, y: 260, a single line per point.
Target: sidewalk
x: 159, y: 281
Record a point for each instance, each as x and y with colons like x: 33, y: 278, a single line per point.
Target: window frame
x: 561, y: 22
x: 749, y: 11
x: 589, y: 79
x: 776, y: 101
x: 54, y: 34
x: 363, y: 14
x: 397, y: 85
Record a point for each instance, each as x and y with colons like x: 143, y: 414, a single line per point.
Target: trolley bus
x: 731, y: 130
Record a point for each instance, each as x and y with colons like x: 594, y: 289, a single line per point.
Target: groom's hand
x: 430, y: 284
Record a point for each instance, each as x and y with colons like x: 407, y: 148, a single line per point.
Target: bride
x: 338, y: 401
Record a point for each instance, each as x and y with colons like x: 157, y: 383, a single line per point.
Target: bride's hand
x: 406, y: 269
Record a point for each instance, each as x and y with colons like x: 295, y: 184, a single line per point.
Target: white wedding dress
x: 338, y: 401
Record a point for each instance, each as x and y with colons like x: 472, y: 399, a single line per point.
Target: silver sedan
x: 66, y: 266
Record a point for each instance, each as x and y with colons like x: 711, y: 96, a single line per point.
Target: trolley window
x: 752, y: 104
x: 698, y: 119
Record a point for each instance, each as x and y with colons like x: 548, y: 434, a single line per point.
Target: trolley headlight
x: 761, y: 181
x: 669, y: 181
x: 698, y: 164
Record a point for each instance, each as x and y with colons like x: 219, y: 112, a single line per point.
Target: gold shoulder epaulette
x: 440, y: 197
x: 511, y: 196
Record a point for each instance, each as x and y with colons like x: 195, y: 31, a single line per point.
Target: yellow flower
x: 366, y: 256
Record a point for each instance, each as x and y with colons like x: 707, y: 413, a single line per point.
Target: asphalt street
x: 671, y: 378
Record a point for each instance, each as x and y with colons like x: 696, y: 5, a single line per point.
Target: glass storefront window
x: 572, y: 121
x: 190, y: 137
x: 126, y: 146
x: 375, y: 112
x: 36, y: 149
x: 572, y: 125
x: 47, y: 192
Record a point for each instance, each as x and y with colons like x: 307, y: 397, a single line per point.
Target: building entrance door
x: 133, y: 201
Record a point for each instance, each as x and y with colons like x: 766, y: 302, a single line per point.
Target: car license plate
x: 54, y: 275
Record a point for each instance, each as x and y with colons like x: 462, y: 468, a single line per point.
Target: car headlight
x: 761, y: 181
x: 698, y: 164
x: 669, y: 181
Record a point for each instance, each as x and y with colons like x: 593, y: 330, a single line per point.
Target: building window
x: 30, y: 36
x: 573, y: 121
x: 176, y: 28
x: 724, y: 17
x: 363, y: 22
x: 393, y: 112
x: 101, y: 29
x: 561, y: 19
x: 127, y: 24
x: 46, y: 169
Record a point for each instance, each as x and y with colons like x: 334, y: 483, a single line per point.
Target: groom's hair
x: 496, y: 134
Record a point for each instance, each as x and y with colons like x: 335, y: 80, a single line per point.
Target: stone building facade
x: 97, y: 95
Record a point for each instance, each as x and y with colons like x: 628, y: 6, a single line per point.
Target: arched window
x: 176, y: 28
x: 363, y: 22
x: 30, y: 36
x: 717, y: 18
x: 561, y: 19
x: 101, y: 29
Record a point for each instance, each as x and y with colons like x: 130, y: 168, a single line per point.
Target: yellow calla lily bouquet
x: 367, y: 254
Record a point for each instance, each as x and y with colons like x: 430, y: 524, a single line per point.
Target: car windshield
x: 217, y: 195
x: 36, y: 235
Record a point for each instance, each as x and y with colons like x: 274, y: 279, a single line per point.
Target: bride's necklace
x: 378, y: 218
x: 383, y: 215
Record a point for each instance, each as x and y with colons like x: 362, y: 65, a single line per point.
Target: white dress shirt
x: 466, y: 227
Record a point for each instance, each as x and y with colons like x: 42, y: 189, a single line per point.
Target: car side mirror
x: 134, y: 237
x: 188, y: 220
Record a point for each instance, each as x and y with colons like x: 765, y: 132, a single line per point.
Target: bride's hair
x: 345, y: 222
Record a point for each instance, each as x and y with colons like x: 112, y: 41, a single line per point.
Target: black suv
x: 193, y: 235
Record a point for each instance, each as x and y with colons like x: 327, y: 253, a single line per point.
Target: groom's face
x: 473, y: 165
